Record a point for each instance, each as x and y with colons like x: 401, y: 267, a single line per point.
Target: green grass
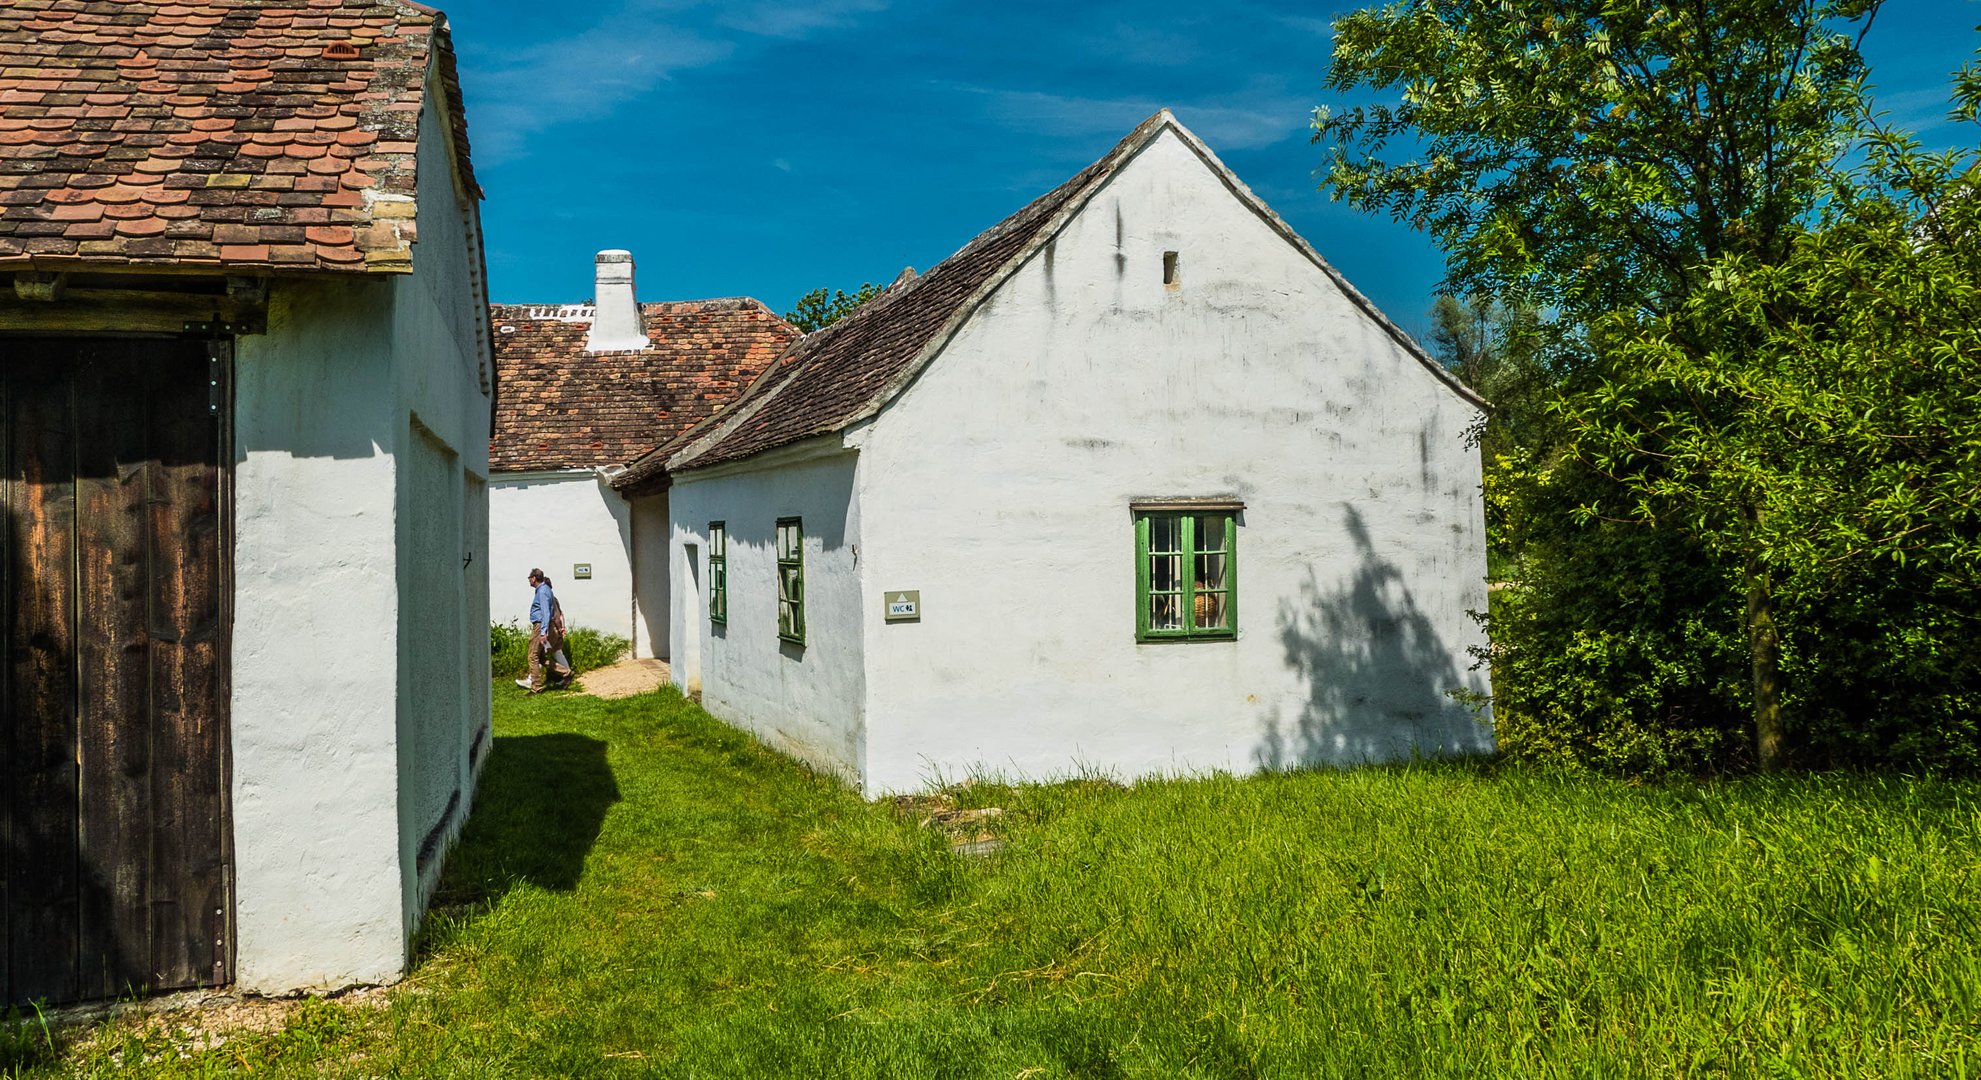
x: 642, y: 891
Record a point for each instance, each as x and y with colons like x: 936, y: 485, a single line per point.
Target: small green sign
x: 904, y: 605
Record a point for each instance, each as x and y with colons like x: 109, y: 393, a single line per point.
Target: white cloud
x: 588, y: 75
x: 796, y: 21
x: 1916, y: 111
x: 1247, y: 119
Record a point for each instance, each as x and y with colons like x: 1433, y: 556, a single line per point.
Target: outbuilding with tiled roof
x: 247, y: 386
x: 586, y: 389
x: 1000, y: 520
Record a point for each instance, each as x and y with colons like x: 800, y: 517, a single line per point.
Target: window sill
x: 1185, y: 639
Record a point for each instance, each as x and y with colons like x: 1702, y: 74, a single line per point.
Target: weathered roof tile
x: 121, y: 111
x: 562, y: 407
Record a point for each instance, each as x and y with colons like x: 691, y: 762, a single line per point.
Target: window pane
x: 1210, y: 571
x: 1210, y: 532
x: 1165, y: 611
x: 784, y: 617
x: 1165, y: 572
x: 1211, y: 608
x: 787, y: 583
x: 1165, y: 534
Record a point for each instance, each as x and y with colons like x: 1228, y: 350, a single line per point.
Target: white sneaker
x: 524, y: 683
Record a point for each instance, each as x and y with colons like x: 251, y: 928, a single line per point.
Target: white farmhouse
x: 246, y: 383
x: 1133, y: 482
x: 587, y: 388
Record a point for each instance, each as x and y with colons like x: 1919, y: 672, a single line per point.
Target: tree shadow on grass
x: 538, y: 811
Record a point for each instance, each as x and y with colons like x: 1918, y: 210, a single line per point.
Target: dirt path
x: 624, y: 679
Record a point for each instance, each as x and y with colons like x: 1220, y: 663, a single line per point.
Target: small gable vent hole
x: 341, y: 50
x: 1169, y: 268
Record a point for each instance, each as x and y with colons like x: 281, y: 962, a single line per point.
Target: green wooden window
x: 718, y: 572
x: 1186, y: 575
x: 791, y: 580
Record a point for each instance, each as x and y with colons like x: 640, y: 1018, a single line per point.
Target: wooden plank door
x: 113, y: 744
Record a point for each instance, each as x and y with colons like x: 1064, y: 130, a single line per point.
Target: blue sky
x: 767, y: 147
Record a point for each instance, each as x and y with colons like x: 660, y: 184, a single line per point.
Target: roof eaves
x: 1102, y: 170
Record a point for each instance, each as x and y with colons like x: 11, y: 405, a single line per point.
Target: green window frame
x: 718, y: 572
x: 1186, y: 574
x: 791, y: 580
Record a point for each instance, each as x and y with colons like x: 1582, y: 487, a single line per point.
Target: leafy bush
x: 586, y: 648
x: 508, y: 650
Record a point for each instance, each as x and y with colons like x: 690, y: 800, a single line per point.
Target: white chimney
x: 617, y: 325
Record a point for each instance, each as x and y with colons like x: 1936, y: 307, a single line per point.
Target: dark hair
x: 537, y: 574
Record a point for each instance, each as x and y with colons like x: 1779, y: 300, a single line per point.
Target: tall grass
x: 586, y: 648
x: 643, y: 891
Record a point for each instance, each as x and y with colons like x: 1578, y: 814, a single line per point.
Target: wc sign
x: 904, y: 605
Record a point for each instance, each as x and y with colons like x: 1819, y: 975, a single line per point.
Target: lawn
x: 642, y: 891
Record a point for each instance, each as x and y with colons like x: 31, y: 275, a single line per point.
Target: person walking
x: 546, y: 636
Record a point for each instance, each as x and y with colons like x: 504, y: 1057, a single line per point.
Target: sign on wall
x: 904, y: 605
x: 581, y: 571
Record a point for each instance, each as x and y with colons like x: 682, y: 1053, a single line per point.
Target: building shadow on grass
x: 538, y: 810
x: 1379, y: 671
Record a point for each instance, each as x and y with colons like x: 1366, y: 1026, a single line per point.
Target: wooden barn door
x: 113, y: 743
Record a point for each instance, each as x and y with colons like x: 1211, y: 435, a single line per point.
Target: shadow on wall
x: 1379, y: 675
x: 538, y: 811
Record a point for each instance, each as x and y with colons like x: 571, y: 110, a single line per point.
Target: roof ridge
x: 1039, y: 220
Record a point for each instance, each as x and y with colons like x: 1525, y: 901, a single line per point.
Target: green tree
x: 821, y: 308
x: 1597, y: 158
x: 1496, y: 349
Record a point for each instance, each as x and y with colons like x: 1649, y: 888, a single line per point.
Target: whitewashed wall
x: 318, y: 898
x: 360, y: 664
x: 999, y: 486
x: 805, y: 700
x: 651, y: 585
x: 554, y: 520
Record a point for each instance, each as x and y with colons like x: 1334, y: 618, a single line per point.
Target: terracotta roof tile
x: 135, y: 111
x: 562, y: 407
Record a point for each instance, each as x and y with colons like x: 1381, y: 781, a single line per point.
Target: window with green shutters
x: 718, y: 572
x: 1186, y: 574
x: 791, y: 580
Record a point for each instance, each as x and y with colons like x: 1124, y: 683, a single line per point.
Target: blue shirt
x: 541, y: 606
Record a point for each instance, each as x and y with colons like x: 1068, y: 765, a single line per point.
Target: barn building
x: 1133, y: 482
x: 244, y: 359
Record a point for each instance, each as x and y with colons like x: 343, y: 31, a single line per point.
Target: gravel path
x: 624, y: 679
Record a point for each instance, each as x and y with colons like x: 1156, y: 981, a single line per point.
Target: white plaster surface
x: 315, y: 722
x: 617, y: 324
x: 553, y: 520
x: 349, y: 590
x: 651, y: 584
x: 805, y: 700
x: 999, y: 485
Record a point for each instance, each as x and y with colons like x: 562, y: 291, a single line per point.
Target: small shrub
x: 508, y: 650
x: 586, y: 648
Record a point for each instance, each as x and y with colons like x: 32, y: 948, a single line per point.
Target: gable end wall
x: 998, y: 484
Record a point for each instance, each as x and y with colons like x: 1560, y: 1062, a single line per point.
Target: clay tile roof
x: 853, y: 368
x: 254, y: 134
x: 564, y: 408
